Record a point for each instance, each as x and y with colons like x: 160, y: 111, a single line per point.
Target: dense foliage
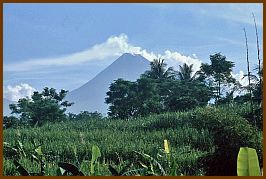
x: 163, y: 89
x: 83, y: 115
x: 204, y: 141
x: 47, y: 105
x: 159, y: 89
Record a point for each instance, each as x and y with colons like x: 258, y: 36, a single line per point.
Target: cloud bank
x: 14, y: 93
x: 113, y: 47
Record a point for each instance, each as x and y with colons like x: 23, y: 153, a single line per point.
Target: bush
x: 230, y: 132
x: 228, y: 127
x: 10, y: 121
x: 84, y: 115
x: 254, y: 116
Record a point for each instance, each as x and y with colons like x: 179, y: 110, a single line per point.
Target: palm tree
x: 185, y: 73
x: 158, y: 70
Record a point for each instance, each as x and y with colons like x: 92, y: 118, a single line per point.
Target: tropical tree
x: 47, y: 105
x: 155, y: 93
x: 149, y: 98
x: 121, y: 98
x: 159, y: 71
x: 217, y: 74
x: 185, y: 72
x: 185, y: 95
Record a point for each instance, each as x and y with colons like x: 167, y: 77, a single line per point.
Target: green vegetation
x: 163, y: 126
x: 217, y: 74
x: 162, y: 89
x: 158, y: 90
x: 42, y: 107
x: 200, y: 141
x: 247, y: 162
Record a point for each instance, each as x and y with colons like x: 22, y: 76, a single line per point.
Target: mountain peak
x: 91, y: 95
x: 127, y: 54
x: 130, y: 58
x: 130, y: 55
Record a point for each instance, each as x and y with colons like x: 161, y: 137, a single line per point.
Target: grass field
x: 193, y: 136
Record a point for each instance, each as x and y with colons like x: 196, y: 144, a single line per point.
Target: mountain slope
x: 91, y: 96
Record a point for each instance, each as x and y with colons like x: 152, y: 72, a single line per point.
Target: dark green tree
x: 155, y: 93
x: 159, y: 77
x: 185, y: 95
x: 148, y: 97
x: 185, y: 72
x: 159, y: 70
x: 121, y: 98
x: 217, y: 74
x: 47, y: 105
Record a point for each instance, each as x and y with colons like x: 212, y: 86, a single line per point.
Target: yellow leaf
x: 166, y: 147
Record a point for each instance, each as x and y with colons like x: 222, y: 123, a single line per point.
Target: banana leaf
x: 247, y: 162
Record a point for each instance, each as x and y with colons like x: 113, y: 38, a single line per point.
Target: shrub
x: 230, y: 132
x: 10, y: 121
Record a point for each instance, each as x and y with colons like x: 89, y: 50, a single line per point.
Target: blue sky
x: 65, y: 45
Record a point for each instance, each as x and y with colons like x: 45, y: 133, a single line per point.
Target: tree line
x: 159, y: 89
x: 162, y: 89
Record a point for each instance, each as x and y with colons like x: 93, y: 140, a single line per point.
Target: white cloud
x: 114, y: 46
x: 174, y: 58
x: 240, y: 77
x: 14, y: 93
x: 243, y: 81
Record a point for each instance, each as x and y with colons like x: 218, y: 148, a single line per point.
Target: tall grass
x: 71, y: 141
